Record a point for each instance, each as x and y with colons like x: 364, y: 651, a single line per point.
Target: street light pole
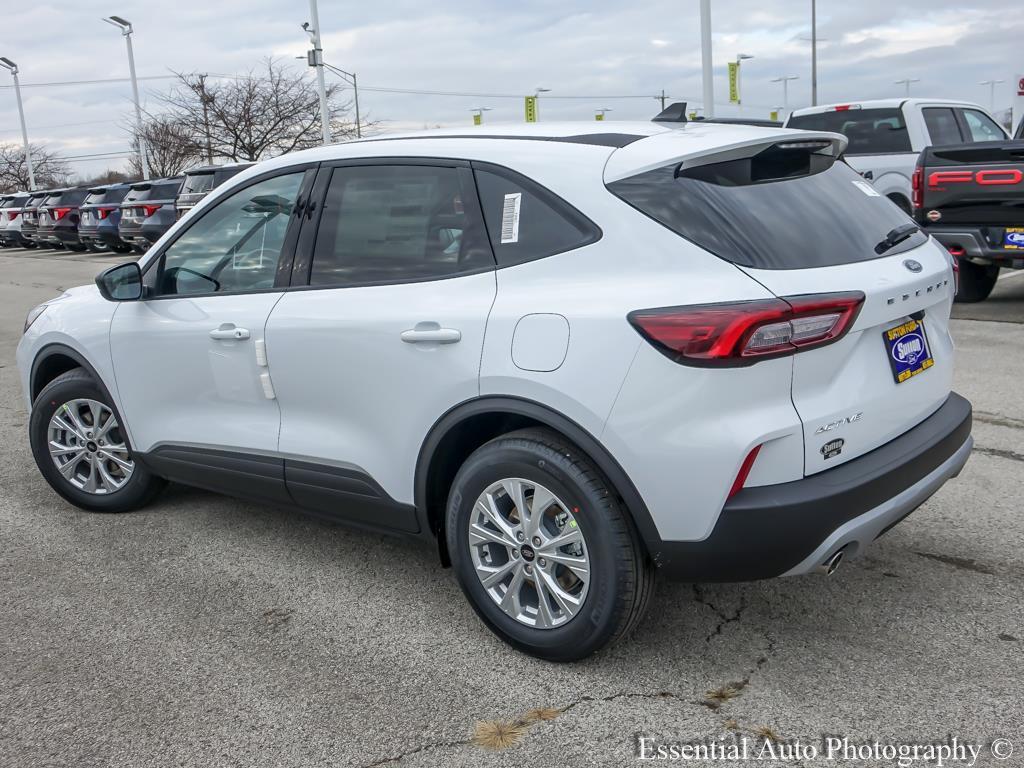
x: 318, y: 62
x: 784, y: 79
x: 814, y: 53
x: 705, y: 58
x: 13, y: 69
x: 907, y: 81
x: 992, y: 92
x: 350, y: 77
x: 740, y: 57
x: 126, y: 31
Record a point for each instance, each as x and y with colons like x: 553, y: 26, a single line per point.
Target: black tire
x: 622, y: 577
x: 976, y: 282
x: 140, y: 489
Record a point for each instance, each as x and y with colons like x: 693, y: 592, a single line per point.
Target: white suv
x: 569, y: 356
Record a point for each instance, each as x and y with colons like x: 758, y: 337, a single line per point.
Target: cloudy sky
x: 612, y: 54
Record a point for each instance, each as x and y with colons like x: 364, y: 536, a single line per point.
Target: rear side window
x: 942, y: 125
x: 396, y: 223
x: 982, y: 127
x: 870, y: 131
x: 819, y: 219
x: 525, y: 221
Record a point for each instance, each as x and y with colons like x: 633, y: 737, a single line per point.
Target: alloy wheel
x: 529, y: 553
x: 87, y: 447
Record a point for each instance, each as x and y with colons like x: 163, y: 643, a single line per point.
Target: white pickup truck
x: 886, y: 136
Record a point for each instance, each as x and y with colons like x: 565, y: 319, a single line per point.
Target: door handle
x: 228, y: 332
x: 431, y: 332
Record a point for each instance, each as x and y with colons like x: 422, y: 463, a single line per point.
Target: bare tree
x: 49, y: 168
x: 269, y: 111
x: 171, y: 146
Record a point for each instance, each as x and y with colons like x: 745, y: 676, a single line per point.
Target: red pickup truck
x: 970, y: 197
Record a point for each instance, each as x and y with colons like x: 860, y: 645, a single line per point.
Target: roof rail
x: 673, y: 113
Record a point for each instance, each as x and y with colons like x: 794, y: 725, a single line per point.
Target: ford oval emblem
x: 913, y: 266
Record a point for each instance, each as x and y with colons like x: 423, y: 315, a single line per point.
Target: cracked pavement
x: 206, y: 631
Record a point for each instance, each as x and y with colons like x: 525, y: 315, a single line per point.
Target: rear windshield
x: 870, y: 131
x: 14, y: 202
x: 817, y: 220
x: 112, y: 195
x: 198, y: 182
x: 34, y: 201
x: 167, y: 190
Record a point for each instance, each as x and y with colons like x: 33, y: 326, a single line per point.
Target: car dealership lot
x: 209, y: 631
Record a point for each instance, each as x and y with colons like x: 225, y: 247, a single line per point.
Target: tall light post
x: 317, y: 60
x: 536, y: 95
x: 814, y: 53
x: 992, y: 92
x: 784, y: 79
x: 478, y: 114
x: 707, y: 72
x: 739, y: 91
x: 126, y: 31
x: 11, y: 67
x: 351, y: 78
x: 907, y: 81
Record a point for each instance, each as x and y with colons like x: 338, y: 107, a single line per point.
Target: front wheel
x: 976, y: 282
x: 83, y: 452
x: 543, y: 549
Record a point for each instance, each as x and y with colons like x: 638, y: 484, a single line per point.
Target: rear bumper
x: 791, y: 528
x: 976, y: 244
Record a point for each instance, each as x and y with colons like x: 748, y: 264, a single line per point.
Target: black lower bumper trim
x: 765, y: 531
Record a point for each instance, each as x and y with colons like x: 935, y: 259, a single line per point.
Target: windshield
x: 816, y: 220
x: 870, y: 131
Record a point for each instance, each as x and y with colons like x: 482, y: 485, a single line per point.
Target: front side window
x: 235, y: 246
x: 942, y: 125
x: 395, y: 223
x: 870, y: 131
x: 982, y: 127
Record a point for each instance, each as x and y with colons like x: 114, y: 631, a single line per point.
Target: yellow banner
x: 734, y: 82
x: 599, y: 116
x: 531, y: 109
x: 773, y: 115
x: 478, y: 119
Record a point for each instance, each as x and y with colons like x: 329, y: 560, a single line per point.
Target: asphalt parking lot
x: 206, y: 631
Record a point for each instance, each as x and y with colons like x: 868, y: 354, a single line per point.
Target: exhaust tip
x: 830, y: 565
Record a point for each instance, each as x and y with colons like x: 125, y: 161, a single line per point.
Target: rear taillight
x: 59, y: 213
x: 149, y: 210
x: 102, y: 213
x: 745, y: 332
x: 917, y: 188
x: 12, y: 215
x: 955, y: 252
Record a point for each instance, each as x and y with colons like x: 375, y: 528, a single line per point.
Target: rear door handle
x: 431, y: 332
x: 229, y: 332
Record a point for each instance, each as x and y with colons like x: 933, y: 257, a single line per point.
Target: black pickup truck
x: 970, y: 197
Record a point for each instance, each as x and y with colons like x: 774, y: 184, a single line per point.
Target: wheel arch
x: 470, y: 424
x: 55, y: 359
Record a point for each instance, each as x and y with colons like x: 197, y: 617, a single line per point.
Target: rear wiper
x: 896, y: 236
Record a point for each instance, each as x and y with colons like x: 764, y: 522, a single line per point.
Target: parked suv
x: 886, y: 136
x: 148, y: 211
x: 10, y: 218
x: 568, y: 356
x: 30, y: 218
x: 58, y: 218
x: 100, y: 217
x: 199, y: 182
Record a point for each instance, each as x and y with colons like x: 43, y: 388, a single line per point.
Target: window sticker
x: 510, y: 218
x: 866, y: 188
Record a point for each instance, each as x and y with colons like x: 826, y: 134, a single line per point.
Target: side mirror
x: 121, y: 283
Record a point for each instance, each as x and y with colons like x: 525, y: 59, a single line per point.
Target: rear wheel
x: 976, y: 281
x: 83, y: 452
x: 543, y: 549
